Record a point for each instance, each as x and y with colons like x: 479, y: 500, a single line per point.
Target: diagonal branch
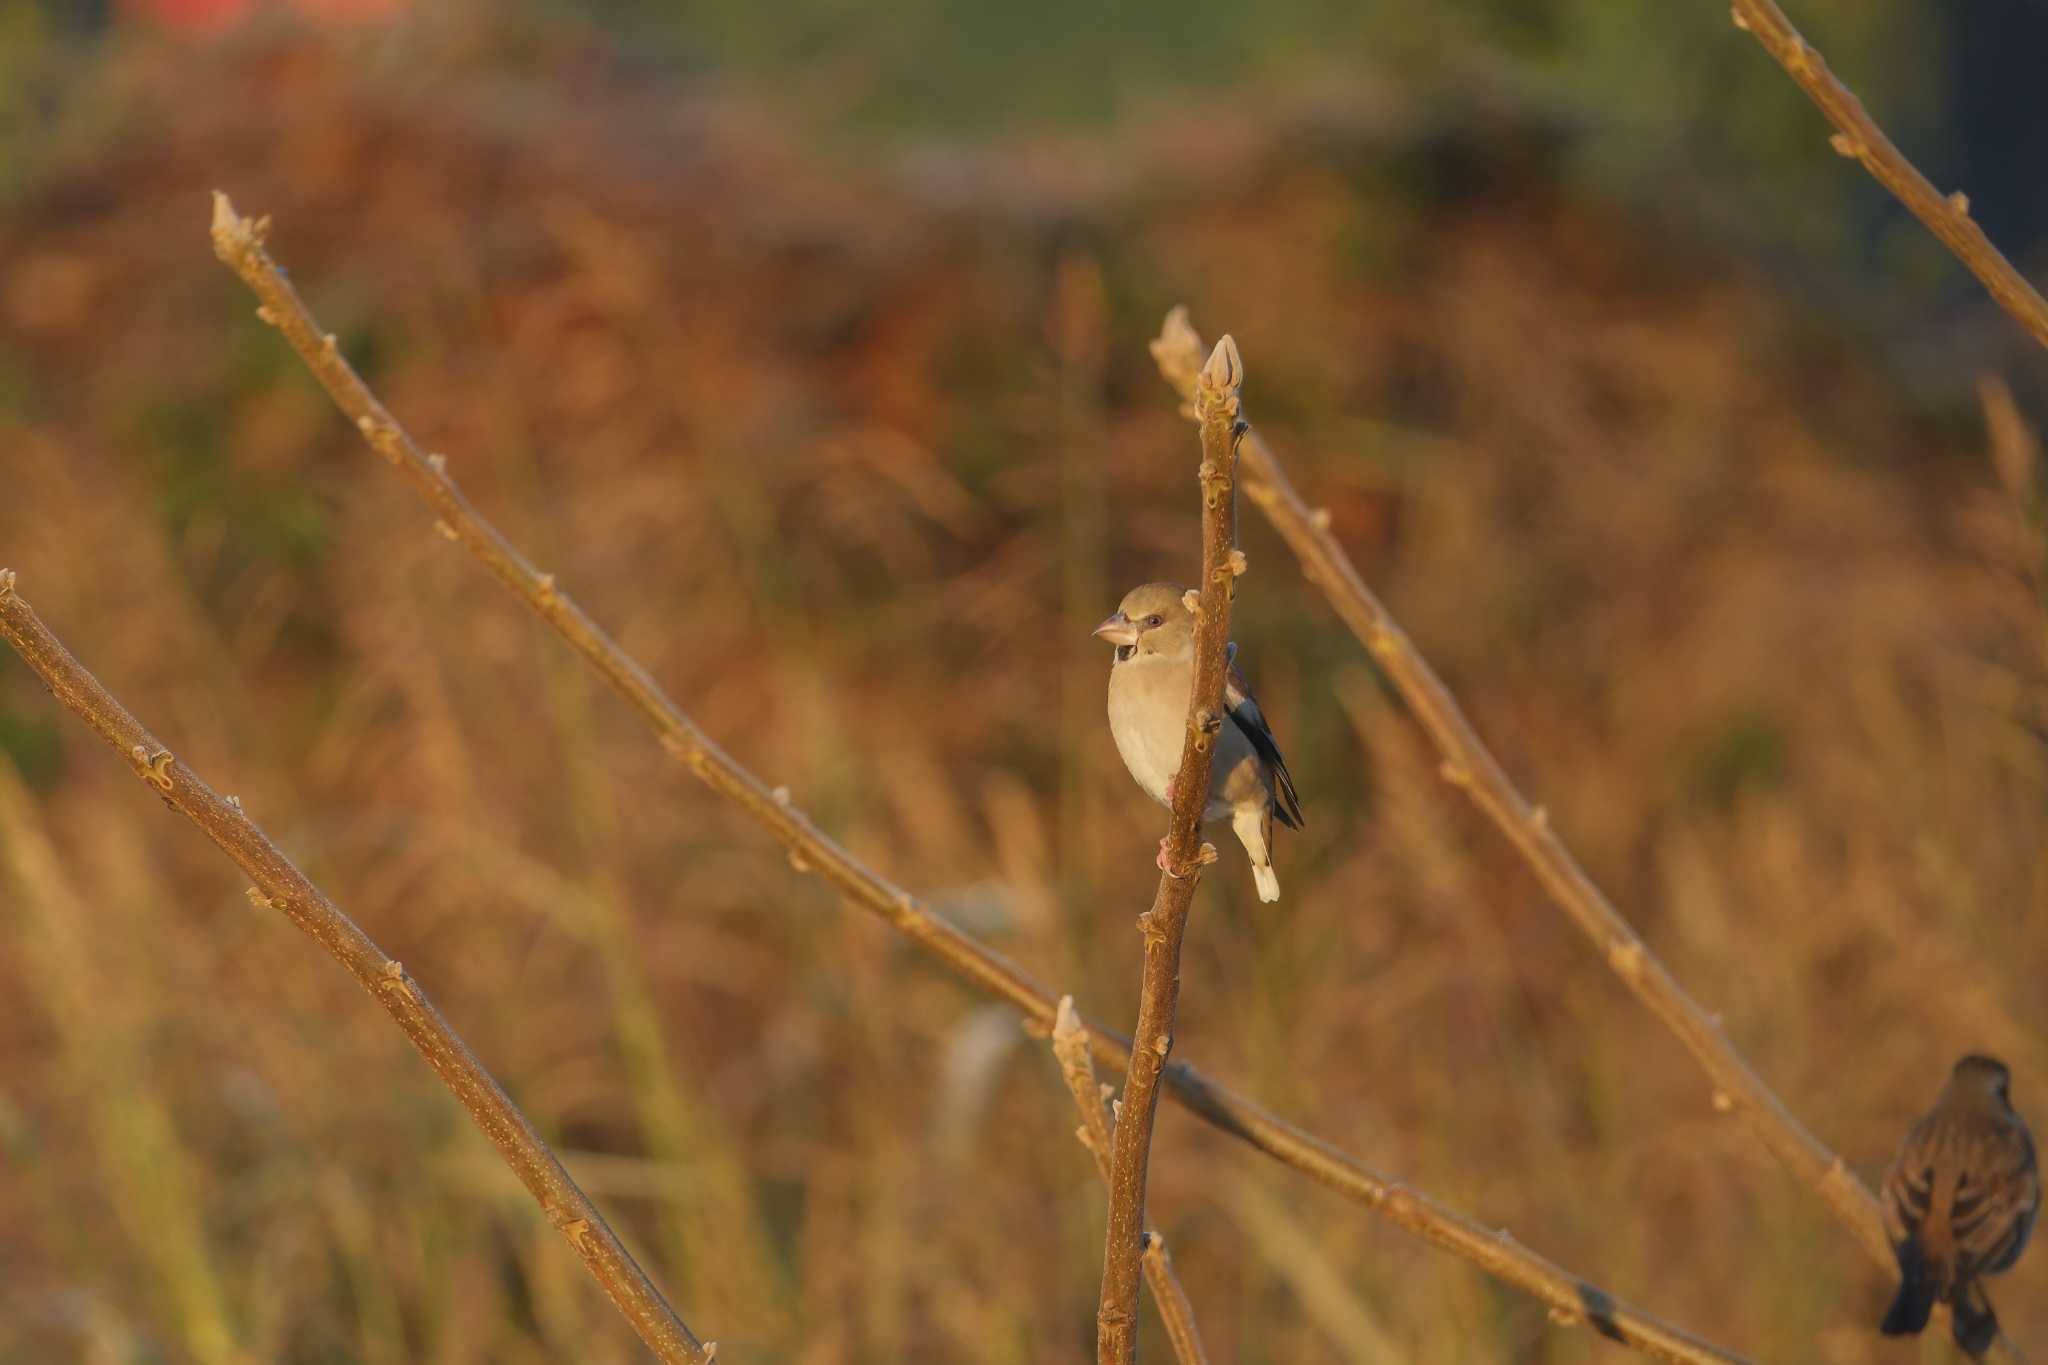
x: 1217, y: 407
x: 239, y: 244
x: 1946, y: 217
x: 281, y: 886
x: 1471, y: 767
x: 1070, y: 1045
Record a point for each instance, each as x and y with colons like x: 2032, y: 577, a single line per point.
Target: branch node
x: 1206, y: 854
x: 329, y: 344
x: 1319, y: 517
x: 1723, y: 1102
x: 1845, y: 145
x: 1455, y: 773
x: 6, y: 584
x: 259, y: 900
x: 438, y: 463
x: 544, y: 590
x: 1741, y: 22
x: 1539, y: 819
x: 1564, y: 1317
x: 780, y: 796
x: 1192, y: 601
x: 235, y: 803
x: 1960, y: 203
x: 153, y: 768
x: 445, y: 531
x: 1238, y: 564
x: 796, y: 861
x: 1626, y: 957
x: 264, y: 315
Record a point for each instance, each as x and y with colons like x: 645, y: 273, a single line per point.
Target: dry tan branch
x: 1472, y: 768
x: 1077, y: 1064
x: 239, y: 243
x: 281, y: 886
x: 1946, y: 216
x: 1218, y: 411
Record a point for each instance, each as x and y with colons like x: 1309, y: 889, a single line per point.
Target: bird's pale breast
x: 1148, y: 709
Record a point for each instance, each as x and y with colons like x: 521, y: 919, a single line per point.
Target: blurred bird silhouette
x: 1959, y: 1203
x: 1149, y: 685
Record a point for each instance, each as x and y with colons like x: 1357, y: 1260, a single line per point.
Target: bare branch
x: 281, y: 886
x: 1472, y: 768
x: 1070, y: 1045
x: 1218, y: 409
x: 1571, y: 1299
x: 1946, y: 216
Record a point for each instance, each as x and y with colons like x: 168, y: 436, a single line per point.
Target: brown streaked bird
x: 1149, y: 686
x: 1959, y: 1202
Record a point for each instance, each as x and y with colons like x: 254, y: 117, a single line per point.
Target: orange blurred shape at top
x: 215, y: 16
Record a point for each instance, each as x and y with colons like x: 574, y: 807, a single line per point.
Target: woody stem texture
x: 1217, y: 408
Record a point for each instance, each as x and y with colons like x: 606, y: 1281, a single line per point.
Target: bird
x: 1150, y: 681
x: 1959, y: 1203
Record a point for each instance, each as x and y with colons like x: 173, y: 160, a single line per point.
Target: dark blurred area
x: 807, y: 346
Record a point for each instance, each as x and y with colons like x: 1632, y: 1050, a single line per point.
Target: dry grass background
x: 853, y: 458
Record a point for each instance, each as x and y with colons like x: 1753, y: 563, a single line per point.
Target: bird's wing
x: 1995, y: 1201
x: 1244, y: 710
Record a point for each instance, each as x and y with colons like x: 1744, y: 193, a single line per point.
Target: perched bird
x: 1959, y: 1201
x: 1149, y: 687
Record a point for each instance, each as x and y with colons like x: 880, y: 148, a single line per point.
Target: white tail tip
x: 1269, y: 882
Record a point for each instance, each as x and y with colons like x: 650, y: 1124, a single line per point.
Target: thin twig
x: 1472, y: 768
x: 1217, y: 409
x: 1070, y: 1045
x: 1947, y: 217
x: 281, y: 886
x: 239, y: 244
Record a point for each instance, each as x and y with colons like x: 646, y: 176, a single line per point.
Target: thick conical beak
x: 1118, y: 630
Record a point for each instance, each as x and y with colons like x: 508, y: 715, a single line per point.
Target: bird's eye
x: 1155, y: 620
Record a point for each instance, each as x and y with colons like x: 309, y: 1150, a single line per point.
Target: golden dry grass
x: 853, y: 467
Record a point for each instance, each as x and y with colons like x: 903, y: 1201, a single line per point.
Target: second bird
x: 1149, y: 686
x: 1959, y: 1201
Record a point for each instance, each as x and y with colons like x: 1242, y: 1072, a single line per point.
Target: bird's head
x: 1150, y: 620
x: 1978, y: 1074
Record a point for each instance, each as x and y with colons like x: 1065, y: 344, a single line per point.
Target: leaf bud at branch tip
x: 1225, y: 371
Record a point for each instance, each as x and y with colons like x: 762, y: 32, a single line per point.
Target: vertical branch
x: 1217, y: 407
x: 281, y: 886
x: 1077, y: 1064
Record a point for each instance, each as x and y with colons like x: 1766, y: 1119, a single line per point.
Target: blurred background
x: 806, y: 345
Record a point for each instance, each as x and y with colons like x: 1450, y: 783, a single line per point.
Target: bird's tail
x: 1254, y: 827
x: 1918, y: 1286
x: 1974, y: 1324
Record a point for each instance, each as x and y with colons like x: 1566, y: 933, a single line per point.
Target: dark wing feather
x: 1244, y: 711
